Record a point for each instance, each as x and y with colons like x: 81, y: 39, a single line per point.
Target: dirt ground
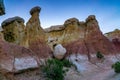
x: 86, y: 70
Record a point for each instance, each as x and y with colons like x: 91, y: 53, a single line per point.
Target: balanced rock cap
x: 10, y: 20
x: 71, y: 20
x: 90, y: 17
x: 35, y: 9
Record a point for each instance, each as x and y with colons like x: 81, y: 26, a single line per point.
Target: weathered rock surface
x: 80, y: 37
x: 29, y: 49
x: 114, y: 37
x: 59, y: 51
x: 33, y: 28
x: 82, y: 40
x: 14, y: 58
x: 94, y: 38
x: 32, y: 36
x: 55, y: 28
x: 13, y: 30
x: 35, y: 35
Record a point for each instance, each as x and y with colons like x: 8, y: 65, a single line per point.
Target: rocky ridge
x: 80, y: 37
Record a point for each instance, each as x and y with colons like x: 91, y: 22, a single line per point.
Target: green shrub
x: 66, y: 63
x: 116, y: 67
x: 99, y: 55
x: 53, y: 70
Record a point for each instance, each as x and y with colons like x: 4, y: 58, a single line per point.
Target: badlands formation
x: 25, y: 47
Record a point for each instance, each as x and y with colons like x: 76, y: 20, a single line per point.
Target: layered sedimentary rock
x: 65, y: 33
x: 114, y: 34
x: 14, y: 58
x: 22, y: 47
x: 33, y: 29
x: 80, y: 37
x: 13, y: 30
x: 94, y: 38
x: 74, y: 35
x: 2, y: 8
x: 114, y: 37
x: 35, y: 35
x: 32, y: 36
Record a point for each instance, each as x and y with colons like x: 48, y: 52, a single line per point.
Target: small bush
x: 66, y: 63
x: 53, y: 70
x: 116, y: 67
x: 99, y: 55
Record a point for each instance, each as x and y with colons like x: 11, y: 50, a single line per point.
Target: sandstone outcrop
x: 80, y: 37
x: 114, y: 37
x: 25, y: 47
x: 33, y: 28
x: 59, y: 51
x: 14, y: 58
x: 32, y: 36
x: 35, y: 35
x: 13, y: 30
x: 65, y: 33
x: 94, y: 38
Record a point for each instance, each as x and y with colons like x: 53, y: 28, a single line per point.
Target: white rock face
x: 59, y: 51
x: 25, y: 63
x: 78, y: 61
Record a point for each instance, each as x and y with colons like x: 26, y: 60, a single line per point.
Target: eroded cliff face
x: 22, y: 47
x: 33, y: 28
x: 25, y: 47
x: 80, y: 37
x: 94, y: 38
x: 14, y: 58
x: 76, y: 36
x: 114, y: 37
x: 31, y: 36
x: 35, y: 35
x: 114, y: 34
x: 66, y: 33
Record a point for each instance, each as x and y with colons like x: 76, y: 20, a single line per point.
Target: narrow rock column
x: 35, y: 36
x: 33, y: 27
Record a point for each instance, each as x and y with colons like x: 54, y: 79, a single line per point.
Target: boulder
x: 59, y: 51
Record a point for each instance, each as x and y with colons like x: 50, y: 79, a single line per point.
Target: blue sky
x: 55, y: 12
